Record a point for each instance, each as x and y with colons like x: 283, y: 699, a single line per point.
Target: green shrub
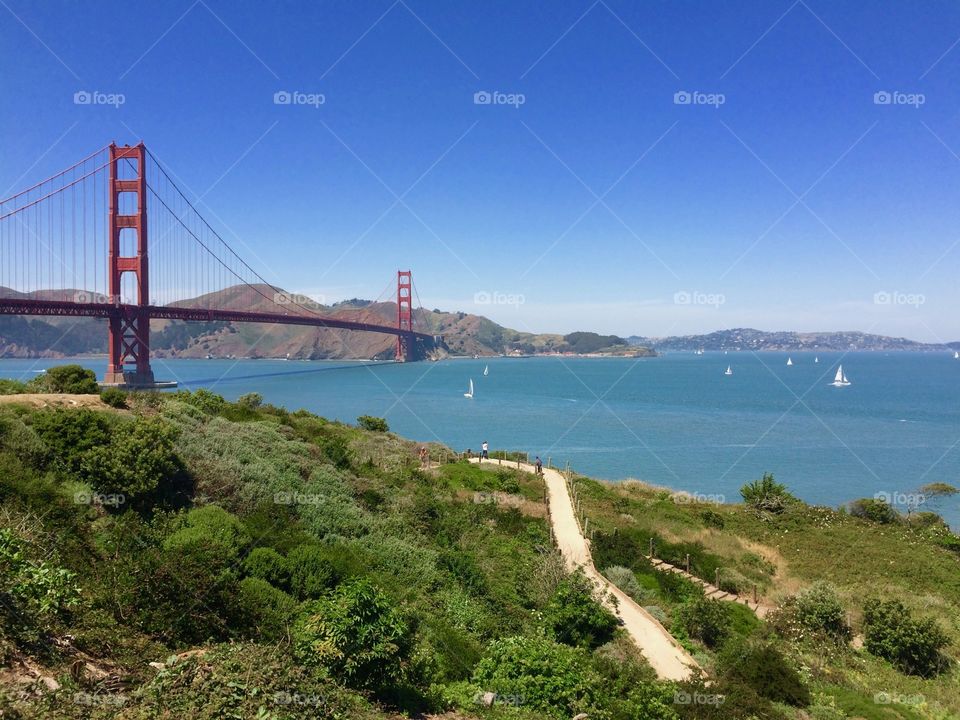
x: 575, y: 618
x: 766, y: 494
x: 69, y: 435
x: 39, y: 588
x: 706, y: 620
x: 818, y: 608
x: 762, y: 667
x: 355, y: 633
x: 912, y: 645
x: 311, y: 571
x: 206, y: 401
x: 114, y: 397
x: 72, y: 379
x: 878, y: 511
x: 250, y: 401
x: 264, y: 610
x: 267, y: 564
x: 711, y: 518
x: 138, y: 457
x: 539, y: 674
x: 12, y: 387
x: 626, y: 580
x: 213, y: 527
x: 374, y: 424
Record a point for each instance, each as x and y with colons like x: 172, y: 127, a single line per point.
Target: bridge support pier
x: 404, y: 316
x: 129, y: 330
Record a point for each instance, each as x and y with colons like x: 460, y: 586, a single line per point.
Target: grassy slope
x: 463, y: 550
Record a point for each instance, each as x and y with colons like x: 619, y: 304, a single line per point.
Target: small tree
x: 250, y: 401
x: 374, y: 424
x: 766, y: 494
x: 114, y: 397
x: 705, y: 620
x: 819, y: 608
x: 912, y: 645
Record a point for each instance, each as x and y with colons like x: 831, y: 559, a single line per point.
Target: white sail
x: 789, y: 361
x: 956, y: 355
x: 470, y: 393
x: 486, y: 370
x: 840, y: 379
x: 816, y: 359
x: 729, y: 371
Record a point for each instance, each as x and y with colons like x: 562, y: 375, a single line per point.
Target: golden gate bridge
x: 82, y: 243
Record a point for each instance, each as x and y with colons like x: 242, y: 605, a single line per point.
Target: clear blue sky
x: 599, y: 200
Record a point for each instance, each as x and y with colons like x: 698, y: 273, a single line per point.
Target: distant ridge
x: 750, y: 339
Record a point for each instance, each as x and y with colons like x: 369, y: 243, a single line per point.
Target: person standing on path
x: 484, y: 455
x: 539, y: 466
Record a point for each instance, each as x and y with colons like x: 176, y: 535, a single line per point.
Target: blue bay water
x: 675, y: 420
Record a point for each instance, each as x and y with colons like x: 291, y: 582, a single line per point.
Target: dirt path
x: 664, y: 654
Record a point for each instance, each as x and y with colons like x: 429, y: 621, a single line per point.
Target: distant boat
x: 486, y: 370
x: 470, y: 393
x: 789, y: 362
x: 816, y: 359
x: 840, y: 380
x: 728, y: 371
x: 956, y: 355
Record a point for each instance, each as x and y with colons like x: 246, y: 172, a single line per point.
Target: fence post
x: 549, y: 462
x: 716, y: 578
x: 651, y: 547
x: 688, y: 563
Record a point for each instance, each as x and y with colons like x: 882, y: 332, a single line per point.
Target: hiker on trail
x: 424, y: 457
x: 483, y: 451
x: 539, y: 465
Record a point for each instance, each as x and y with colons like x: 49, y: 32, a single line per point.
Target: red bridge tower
x: 404, y: 315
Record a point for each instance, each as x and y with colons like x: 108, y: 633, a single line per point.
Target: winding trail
x: 665, y: 655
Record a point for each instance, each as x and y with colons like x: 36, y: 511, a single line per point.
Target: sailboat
x: 728, y: 371
x: 470, y: 393
x: 486, y: 370
x: 956, y: 355
x: 789, y: 362
x: 816, y: 359
x: 841, y: 379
